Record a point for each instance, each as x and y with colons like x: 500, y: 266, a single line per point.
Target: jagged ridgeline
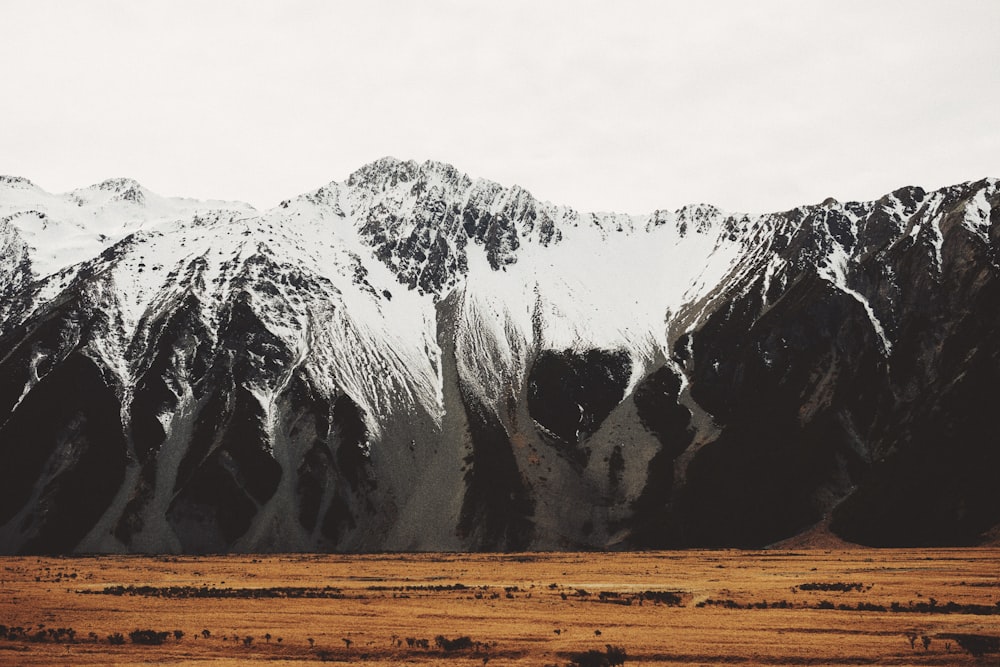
x: 416, y: 360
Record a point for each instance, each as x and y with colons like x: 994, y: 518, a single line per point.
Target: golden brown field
x: 693, y: 607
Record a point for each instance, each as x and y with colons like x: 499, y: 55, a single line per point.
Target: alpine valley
x: 416, y: 360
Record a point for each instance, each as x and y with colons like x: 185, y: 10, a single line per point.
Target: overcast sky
x: 623, y: 106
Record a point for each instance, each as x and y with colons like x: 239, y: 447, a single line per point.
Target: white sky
x: 617, y: 105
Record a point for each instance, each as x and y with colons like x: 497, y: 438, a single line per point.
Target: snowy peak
x: 62, y: 230
x: 117, y: 185
x: 316, y: 376
x: 109, y: 191
x: 16, y: 182
x: 424, y: 220
x: 390, y: 172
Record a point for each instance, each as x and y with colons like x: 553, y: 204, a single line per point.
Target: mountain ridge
x: 414, y: 359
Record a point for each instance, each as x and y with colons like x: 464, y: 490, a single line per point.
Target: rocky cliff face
x: 413, y: 359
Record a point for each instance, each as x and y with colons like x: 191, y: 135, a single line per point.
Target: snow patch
x: 834, y: 270
x: 977, y: 214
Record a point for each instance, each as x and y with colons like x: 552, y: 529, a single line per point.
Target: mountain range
x: 413, y: 359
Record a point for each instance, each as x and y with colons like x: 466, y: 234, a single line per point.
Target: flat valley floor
x: 802, y: 607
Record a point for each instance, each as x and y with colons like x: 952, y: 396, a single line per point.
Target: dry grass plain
x: 688, y: 607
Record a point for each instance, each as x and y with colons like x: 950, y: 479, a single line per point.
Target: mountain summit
x: 417, y: 360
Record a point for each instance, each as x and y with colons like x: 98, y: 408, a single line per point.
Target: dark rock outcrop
x: 415, y: 360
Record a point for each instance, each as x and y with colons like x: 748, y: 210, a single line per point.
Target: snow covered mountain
x: 413, y: 359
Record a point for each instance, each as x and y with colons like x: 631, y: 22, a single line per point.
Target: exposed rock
x: 414, y: 359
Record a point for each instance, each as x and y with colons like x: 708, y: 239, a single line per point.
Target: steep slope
x: 413, y: 359
x: 851, y: 381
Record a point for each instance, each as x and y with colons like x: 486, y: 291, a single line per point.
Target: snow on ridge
x: 607, y: 281
x: 597, y: 289
x: 116, y: 184
x: 19, y: 182
x: 834, y: 270
x: 976, y: 217
x: 301, y: 275
x: 925, y: 221
x: 397, y: 186
x: 63, y: 230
